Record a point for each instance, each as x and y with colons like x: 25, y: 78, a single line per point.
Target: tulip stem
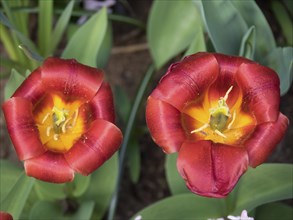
x: 127, y: 133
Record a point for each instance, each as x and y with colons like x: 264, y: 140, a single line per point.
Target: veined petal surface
x: 71, y: 78
x: 265, y: 139
x: 22, y: 128
x: 163, y: 121
x: 96, y: 146
x: 50, y: 167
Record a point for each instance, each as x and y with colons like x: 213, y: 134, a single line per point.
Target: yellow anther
x: 56, y: 137
x: 233, y: 119
x: 45, y: 118
x: 227, y: 93
x: 220, y: 133
x: 48, y: 130
x: 201, y: 128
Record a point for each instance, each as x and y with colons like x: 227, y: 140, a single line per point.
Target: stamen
x: 45, y: 118
x: 201, y: 128
x: 64, y: 125
x: 48, y: 130
x: 75, y: 117
x: 56, y: 137
x: 227, y: 93
x: 220, y: 133
x: 233, y: 119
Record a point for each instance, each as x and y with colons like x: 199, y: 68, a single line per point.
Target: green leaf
x: 281, y: 60
x: 274, y: 211
x: 184, y: 206
x: 248, y: 44
x: 45, y: 19
x: 13, y: 83
x: 105, y: 49
x: 133, y: 156
x: 61, y: 26
x: 50, y: 191
x: 48, y: 210
x: 101, y: 186
x: 15, y: 200
x: 284, y: 20
x: 122, y: 103
x: 175, y: 181
x: 198, y: 44
x: 264, y: 184
x: 9, y: 175
x: 225, y: 25
x: 80, y: 184
x: 253, y: 16
x: 86, y: 41
x: 171, y: 27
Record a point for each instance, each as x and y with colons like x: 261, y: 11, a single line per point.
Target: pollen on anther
x: 56, y: 137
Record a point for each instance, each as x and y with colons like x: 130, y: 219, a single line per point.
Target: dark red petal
x: 164, y: 123
x: 211, y: 169
x: 265, y: 139
x: 187, y: 80
x: 22, y: 128
x: 228, y: 67
x: 96, y: 146
x: 261, y: 92
x: 71, y: 77
x: 49, y: 167
x: 32, y: 88
x: 102, y: 104
x: 5, y: 216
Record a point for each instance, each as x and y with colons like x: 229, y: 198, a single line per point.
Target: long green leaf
x: 184, y: 206
x: 225, y: 25
x: 175, y: 181
x: 267, y: 183
x: 253, y: 16
x: 274, y: 211
x: 247, y: 47
x: 105, y: 49
x: 281, y: 60
x: 16, y: 198
x: 9, y: 175
x: 45, y: 20
x: 61, y: 25
x: 86, y: 41
x: 198, y: 44
x: 127, y: 135
x: 44, y: 210
x: 171, y: 27
x: 102, y: 186
x: 13, y: 83
x: 284, y: 20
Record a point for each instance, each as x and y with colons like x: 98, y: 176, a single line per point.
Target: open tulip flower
x: 60, y: 121
x: 221, y: 114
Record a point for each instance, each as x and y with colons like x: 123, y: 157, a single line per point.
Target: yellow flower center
x: 60, y: 124
x: 217, y: 123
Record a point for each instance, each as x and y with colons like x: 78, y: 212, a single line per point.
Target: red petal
x: 164, y: 123
x: 226, y: 78
x: 211, y: 169
x: 49, y: 167
x: 261, y: 92
x: 71, y: 77
x: 96, y: 146
x: 32, y: 88
x: 22, y: 128
x: 102, y: 104
x: 5, y: 216
x: 187, y: 80
x: 265, y: 139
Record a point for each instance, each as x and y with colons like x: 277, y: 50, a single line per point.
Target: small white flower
x: 243, y: 216
x: 138, y: 217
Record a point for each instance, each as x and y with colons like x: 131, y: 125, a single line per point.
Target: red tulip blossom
x: 5, y: 216
x: 221, y: 114
x: 60, y: 121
